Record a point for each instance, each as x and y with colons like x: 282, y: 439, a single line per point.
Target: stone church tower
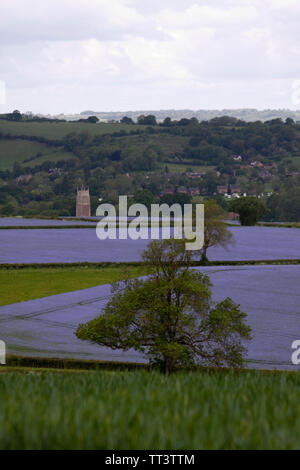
x: 83, y: 203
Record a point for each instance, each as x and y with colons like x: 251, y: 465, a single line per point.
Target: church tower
x: 83, y: 203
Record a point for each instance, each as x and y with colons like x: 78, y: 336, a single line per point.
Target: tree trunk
x: 204, y: 258
x: 168, y: 365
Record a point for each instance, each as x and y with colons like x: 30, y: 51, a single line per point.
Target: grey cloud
x: 57, y: 55
x: 76, y: 20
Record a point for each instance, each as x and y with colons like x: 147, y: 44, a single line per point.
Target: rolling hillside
x: 29, y: 153
x: 58, y: 130
x: 149, y: 162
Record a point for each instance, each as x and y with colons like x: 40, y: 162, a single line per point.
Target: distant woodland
x: 43, y: 161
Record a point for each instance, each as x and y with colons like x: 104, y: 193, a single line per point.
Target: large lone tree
x: 169, y: 315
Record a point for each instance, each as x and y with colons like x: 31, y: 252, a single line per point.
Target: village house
x: 222, y: 189
x: 234, y: 191
x: 182, y: 190
x: 195, y: 175
x: 168, y: 191
x: 291, y: 173
x: 229, y: 190
x: 23, y: 179
x: 195, y: 192
x: 233, y: 216
x: 256, y: 164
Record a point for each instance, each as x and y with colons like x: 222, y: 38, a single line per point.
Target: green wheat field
x: 46, y: 409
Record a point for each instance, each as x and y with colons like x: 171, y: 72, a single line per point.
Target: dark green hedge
x: 139, y: 263
x: 57, y: 363
x: 69, y: 265
x: 79, y: 364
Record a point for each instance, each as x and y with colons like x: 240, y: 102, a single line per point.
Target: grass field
x: 53, y: 156
x: 182, y: 167
x: 12, y: 151
x: 57, y: 130
x: 29, y: 283
x: 145, y: 410
x: 167, y: 144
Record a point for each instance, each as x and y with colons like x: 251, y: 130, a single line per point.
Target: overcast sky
x: 109, y: 55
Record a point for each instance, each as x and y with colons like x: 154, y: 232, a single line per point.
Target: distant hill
x: 33, y: 143
x: 246, y: 114
x: 43, y: 162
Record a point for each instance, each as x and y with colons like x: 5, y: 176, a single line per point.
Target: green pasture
x: 30, y: 283
x: 58, y: 130
x: 20, y: 151
x: 145, y: 410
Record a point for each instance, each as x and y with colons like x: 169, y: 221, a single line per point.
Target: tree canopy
x: 149, y: 120
x: 250, y: 209
x: 255, y: 158
x: 169, y: 316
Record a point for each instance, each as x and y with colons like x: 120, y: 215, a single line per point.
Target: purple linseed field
x: 45, y: 327
x: 269, y: 294
x: 20, y: 222
x: 78, y: 245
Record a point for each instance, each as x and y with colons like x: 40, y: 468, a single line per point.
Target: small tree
x: 216, y: 231
x: 92, y: 119
x: 149, y: 120
x: 250, y: 209
x: 169, y: 316
x: 126, y: 120
x: 144, y: 196
x: 16, y: 115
